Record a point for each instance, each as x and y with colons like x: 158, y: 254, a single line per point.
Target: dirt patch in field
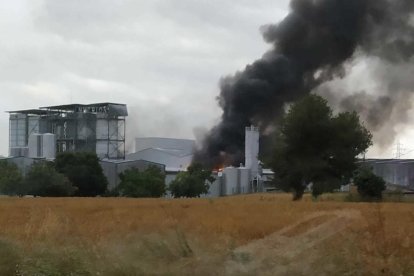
x: 304, y: 226
x: 274, y: 254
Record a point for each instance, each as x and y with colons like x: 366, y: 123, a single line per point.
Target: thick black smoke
x: 309, y: 47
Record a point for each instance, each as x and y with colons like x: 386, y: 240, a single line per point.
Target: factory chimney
x: 252, y: 150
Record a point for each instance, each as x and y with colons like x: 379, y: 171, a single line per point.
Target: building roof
x: 268, y: 171
x: 115, y: 161
x: 73, y: 106
x: 386, y: 161
x: 171, y: 146
x: 166, y: 152
x: 30, y: 112
x: 115, y: 109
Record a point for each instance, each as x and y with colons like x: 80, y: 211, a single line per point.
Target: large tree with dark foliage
x: 84, y: 171
x: 43, y: 180
x: 315, y: 146
x: 147, y: 183
x: 192, y: 183
x: 10, y: 179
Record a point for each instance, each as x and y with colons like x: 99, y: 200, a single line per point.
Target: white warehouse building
x: 175, y: 154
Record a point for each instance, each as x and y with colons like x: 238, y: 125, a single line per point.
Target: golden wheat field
x: 242, y: 235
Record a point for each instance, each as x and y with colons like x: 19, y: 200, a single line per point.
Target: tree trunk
x: 298, y: 194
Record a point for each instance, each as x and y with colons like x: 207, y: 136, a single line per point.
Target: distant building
x: 24, y: 164
x: 98, y: 128
x: 112, y: 169
x: 173, y: 153
x: 397, y: 172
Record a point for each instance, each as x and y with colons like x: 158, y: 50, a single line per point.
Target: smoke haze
x: 312, y: 50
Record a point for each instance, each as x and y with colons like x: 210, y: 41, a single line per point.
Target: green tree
x: 314, y: 146
x: 10, y: 179
x: 370, y: 186
x: 147, y: 183
x: 192, y: 183
x: 44, y: 180
x: 84, y: 171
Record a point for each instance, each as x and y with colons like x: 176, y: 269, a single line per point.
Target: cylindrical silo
x: 49, y: 146
x: 231, y: 180
x: 252, y: 150
x: 214, y: 190
x: 35, y: 145
x: 244, y: 180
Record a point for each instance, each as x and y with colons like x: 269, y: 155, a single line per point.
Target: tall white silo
x: 49, y: 146
x: 244, y: 180
x: 231, y: 180
x: 252, y: 150
x: 35, y: 145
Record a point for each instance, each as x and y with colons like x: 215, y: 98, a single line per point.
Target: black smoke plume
x: 309, y: 47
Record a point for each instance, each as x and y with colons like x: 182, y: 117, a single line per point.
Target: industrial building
x: 112, y: 169
x: 248, y: 178
x: 173, y: 153
x: 23, y: 163
x: 98, y: 128
x: 395, y: 172
x: 39, y: 134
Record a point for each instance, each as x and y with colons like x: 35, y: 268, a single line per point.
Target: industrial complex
x: 75, y: 127
x: 40, y: 134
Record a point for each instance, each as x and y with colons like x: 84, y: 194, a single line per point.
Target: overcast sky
x: 163, y: 58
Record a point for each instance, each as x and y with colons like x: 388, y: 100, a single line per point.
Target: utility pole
x: 399, y: 150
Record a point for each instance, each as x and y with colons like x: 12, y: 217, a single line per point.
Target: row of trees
x: 151, y: 183
x: 41, y: 180
x: 79, y: 174
x: 72, y: 174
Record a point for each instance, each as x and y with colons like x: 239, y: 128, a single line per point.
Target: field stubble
x: 113, y: 236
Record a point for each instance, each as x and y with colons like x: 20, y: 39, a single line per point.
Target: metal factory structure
x: 98, y: 128
x: 395, y: 172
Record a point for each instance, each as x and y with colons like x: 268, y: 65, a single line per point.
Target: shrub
x: 192, y: 183
x: 148, y: 183
x: 84, y: 171
x: 370, y: 186
x: 43, y: 180
x: 10, y: 179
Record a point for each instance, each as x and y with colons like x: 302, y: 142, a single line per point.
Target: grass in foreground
x: 104, y: 236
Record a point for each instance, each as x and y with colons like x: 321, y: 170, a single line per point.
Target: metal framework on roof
x: 99, y: 127
x: 77, y: 104
x: 29, y: 112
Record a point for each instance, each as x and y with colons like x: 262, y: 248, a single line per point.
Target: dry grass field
x: 243, y: 235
